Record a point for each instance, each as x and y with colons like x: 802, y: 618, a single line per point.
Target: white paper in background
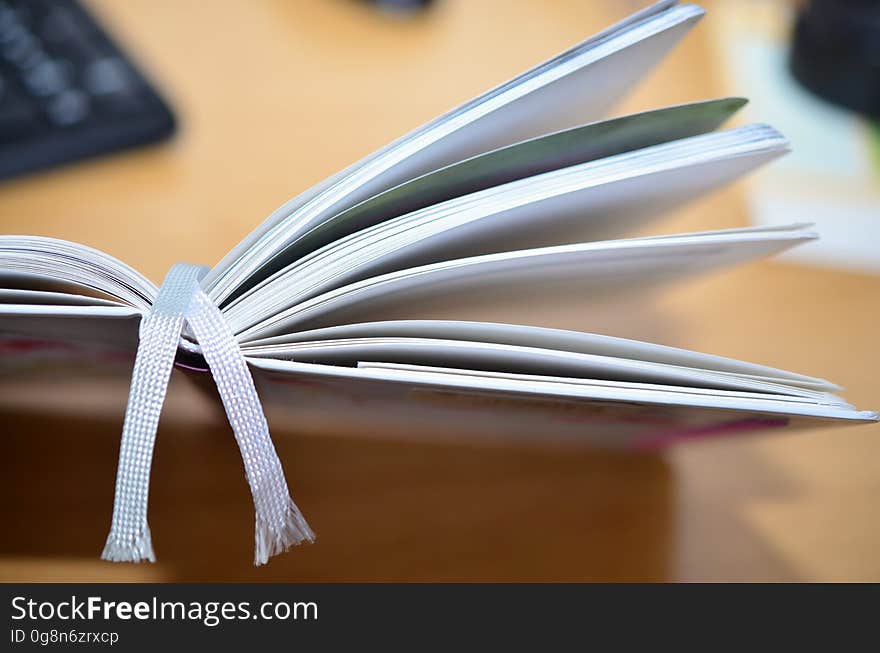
x: 832, y: 175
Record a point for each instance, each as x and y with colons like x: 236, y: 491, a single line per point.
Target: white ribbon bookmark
x: 279, y: 524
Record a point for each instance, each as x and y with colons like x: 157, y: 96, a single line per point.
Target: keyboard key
x: 107, y: 76
x: 49, y: 77
x: 17, y: 44
x: 68, y: 108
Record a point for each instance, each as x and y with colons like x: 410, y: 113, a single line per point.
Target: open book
x: 523, y: 187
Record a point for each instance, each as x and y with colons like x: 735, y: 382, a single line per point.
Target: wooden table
x: 275, y: 95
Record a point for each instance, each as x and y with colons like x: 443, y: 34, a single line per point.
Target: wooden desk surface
x: 275, y: 95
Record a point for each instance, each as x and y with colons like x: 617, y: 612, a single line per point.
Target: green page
x: 535, y: 156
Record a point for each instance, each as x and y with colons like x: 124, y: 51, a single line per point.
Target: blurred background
x: 235, y: 106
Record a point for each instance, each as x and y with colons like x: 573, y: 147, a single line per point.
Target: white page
x: 410, y: 379
x: 713, y: 392
x: 544, y: 338
x: 583, y: 270
x: 51, y: 259
x: 595, y: 200
x: 99, y: 325
x: 518, y: 359
x: 49, y: 298
x: 528, y: 158
x: 575, y: 87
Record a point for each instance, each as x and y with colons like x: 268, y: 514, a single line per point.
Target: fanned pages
x: 319, y: 314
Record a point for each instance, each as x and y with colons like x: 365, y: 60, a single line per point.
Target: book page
x: 427, y: 405
x: 40, y: 263
x: 586, y: 271
x: 575, y: 87
x: 517, y: 359
x: 594, y: 200
x: 525, y: 159
x: 544, y: 338
x: 49, y: 298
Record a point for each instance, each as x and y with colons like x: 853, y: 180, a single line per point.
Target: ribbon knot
x: 279, y: 524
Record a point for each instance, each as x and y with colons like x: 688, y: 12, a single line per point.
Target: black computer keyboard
x: 66, y: 90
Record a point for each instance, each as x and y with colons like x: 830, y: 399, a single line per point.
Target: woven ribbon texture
x: 181, y: 301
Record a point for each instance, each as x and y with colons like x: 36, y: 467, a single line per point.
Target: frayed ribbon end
x: 274, y: 539
x: 134, y: 548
